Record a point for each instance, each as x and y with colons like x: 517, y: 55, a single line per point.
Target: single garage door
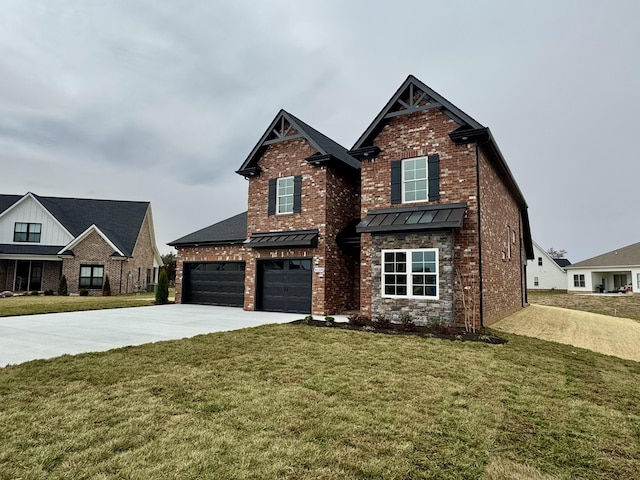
x: 285, y: 285
x: 214, y: 283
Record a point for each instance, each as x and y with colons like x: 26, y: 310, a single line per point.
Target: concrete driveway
x: 31, y: 337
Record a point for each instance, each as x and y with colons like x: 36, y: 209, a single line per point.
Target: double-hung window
x: 410, y: 273
x: 284, y: 196
x: 578, y: 280
x: 415, y: 185
x: 27, y: 232
x: 91, y: 276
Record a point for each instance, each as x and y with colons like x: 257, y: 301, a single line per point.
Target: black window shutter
x: 272, y: 196
x: 434, y: 177
x: 297, y: 193
x: 396, y: 182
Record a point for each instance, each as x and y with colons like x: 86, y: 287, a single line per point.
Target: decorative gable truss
x: 285, y: 127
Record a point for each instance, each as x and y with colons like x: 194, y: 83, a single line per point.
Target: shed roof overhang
x: 289, y: 239
x: 414, y: 218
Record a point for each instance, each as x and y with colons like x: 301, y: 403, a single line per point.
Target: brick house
x: 421, y: 215
x: 42, y: 238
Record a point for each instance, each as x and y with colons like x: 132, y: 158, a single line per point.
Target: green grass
x: 627, y: 306
x: 29, y: 305
x: 298, y: 402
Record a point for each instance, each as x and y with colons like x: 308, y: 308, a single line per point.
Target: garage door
x: 214, y: 283
x: 285, y: 285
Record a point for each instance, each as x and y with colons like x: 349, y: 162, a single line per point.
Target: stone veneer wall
x: 424, y: 311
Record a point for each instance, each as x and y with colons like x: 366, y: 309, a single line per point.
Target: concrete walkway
x: 30, y: 337
x: 616, y: 336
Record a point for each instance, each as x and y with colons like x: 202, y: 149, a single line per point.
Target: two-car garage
x: 283, y: 285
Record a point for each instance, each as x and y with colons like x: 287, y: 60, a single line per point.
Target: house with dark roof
x: 617, y: 271
x: 545, y: 272
x: 43, y: 238
x: 422, y: 216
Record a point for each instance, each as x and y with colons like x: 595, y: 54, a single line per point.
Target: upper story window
x: 415, y: 180
x: 27, y: 232
x: 285, y: 195
x: 284, y: 198
x: 540, y: 261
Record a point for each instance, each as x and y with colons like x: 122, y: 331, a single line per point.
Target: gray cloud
x: 162, y: 101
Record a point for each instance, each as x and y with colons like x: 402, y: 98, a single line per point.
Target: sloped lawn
x: 298, y: 402
x: 627, y: 306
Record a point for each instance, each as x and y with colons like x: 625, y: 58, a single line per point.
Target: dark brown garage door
x: 214, y: 283
x: 285, y: 285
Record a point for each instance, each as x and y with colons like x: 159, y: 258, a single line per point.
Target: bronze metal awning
x: 417, y: 218
x: 297, y: 238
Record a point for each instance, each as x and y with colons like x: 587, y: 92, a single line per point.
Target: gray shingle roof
x: 227, y: 232
x: 621, y: 257
x: 119, y: 220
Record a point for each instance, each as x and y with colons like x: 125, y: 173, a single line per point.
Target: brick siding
x: 502, y: 251
x: 414, y: 135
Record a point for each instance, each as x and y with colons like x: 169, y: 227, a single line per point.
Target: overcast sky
x: 163, y: 101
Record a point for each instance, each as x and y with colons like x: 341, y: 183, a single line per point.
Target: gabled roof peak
x: 414, y: 96
x: 286, y: 126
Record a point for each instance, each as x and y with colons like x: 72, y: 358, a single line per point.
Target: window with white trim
x: 415, y: 184
x: 284, y: 195
x: 578, y: 280
x: 536, y: 282
x: 27, y: 232
x: 91, y: 276
x: 639, y: 280
x: 410, y: 273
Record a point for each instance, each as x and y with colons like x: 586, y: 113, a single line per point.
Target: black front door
x: 285, y: 285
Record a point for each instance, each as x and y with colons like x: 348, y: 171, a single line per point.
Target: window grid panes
x: 410, y: 273
x: 27, y: 232
x: 578, y: 281
x: 91, y: 276
x: 414, y: 180
x: 285, y: 195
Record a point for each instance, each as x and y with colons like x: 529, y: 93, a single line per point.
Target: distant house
x: 42, y: 238
x: 545, y: 272
x: 617, y: 270
x: 421, y: 216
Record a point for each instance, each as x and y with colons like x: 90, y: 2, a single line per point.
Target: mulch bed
x: 443, y: 333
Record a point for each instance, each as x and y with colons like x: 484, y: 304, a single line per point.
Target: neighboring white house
x: 618, y: 270
x: 546, y: 273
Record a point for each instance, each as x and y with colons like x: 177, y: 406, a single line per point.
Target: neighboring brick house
x: 422, y: 215
x: 42, y: 238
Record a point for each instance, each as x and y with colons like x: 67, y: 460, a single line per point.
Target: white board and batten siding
x: 543, y: 273
x: 28, y: 210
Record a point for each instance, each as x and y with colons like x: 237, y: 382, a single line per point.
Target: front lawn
x: 32, y: 304
x: 297, y: 402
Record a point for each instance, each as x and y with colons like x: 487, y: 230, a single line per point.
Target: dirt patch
x: 619, y: 337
